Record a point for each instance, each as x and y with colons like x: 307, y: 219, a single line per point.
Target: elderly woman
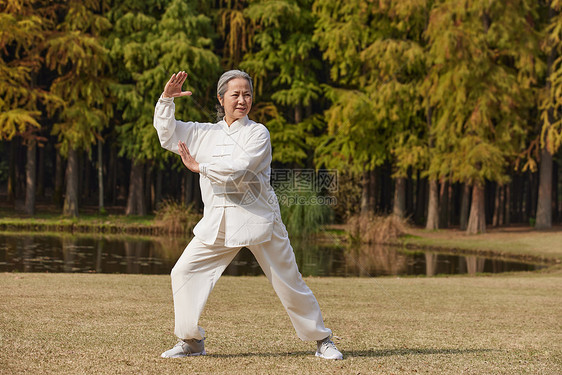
x: 233, y: 159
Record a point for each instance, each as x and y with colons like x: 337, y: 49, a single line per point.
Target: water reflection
x: 68, y: 253
x: 157, y: 255
x: 375, y: 260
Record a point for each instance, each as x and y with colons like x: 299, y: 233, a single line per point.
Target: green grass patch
x: 119, y: 324
x: 92, y: 219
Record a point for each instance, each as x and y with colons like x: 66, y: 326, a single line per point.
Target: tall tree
x: 377, y: 63
x: 179, y: 37
x: 353, y: 140
x: 25, y: 26
x: 482, y: 55
x: 550, y: 106
x: 285, y: 65
x: 76, y: 53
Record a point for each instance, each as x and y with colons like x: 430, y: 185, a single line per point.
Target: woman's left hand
x: 187, y: 159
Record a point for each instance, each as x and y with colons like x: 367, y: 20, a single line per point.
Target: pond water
x: 114, y: 254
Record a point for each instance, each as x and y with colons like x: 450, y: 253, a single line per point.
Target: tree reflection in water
x: 26, y: 252
x: 375, y: 260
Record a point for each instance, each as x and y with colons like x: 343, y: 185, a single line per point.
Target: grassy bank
x: 511, y: 242
x: 171, y: 219
x: 119, y: 324
x: 86, y: 223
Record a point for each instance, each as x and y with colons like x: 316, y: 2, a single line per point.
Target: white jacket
x: 234, y: 163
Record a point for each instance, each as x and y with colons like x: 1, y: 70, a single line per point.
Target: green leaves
x: 459, y: 89
x: 146, y: 49
x: 75, y: 51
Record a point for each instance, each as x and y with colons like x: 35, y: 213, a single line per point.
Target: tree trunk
x: 111, y: 177
x: 151, y: 193
x: 189, y: 195
x: 555, y: 198
x: 507, y: 219
x: 433, y: 206
x: 41, y: 173
x: 453, y: 206
x: 465, y: 200
x: 544, y: 210
x: 100, y: 178
x: 30, y: 177
x: 477, y: 219
x: 544, y: 204
x: 399, y: 207
x: 147, y: 182
x: 421, y: 199
x: 365, y: 193
x: 84, y: 183
x: 135, y: 201
x: 409, y: 195
x: 158, y: 188
x: 373, y: 190
x: 385, y: 190
x: 11, y: 189
x: 72, y: 174
x: 197, y: 192
x: 444, y: 204
x: 497, y: 206
x: 501, y: 219
x: 530, y: 199
x: 59, y: 179
x: 298, y: 113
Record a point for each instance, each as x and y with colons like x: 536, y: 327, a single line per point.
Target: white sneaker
x: 187, y: 348
x: 327, y: 349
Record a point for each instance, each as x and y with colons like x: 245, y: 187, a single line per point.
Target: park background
x: 440, y: 118
x: 443, y: 112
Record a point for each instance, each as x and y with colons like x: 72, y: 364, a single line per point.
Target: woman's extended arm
x: 171, y: 131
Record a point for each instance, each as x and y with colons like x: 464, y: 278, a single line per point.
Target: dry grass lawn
x: 119, y: 324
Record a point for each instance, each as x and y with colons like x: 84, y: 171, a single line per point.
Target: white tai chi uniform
x: 240, y: 210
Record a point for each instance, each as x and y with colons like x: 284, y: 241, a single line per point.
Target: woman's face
x: 237, y: 100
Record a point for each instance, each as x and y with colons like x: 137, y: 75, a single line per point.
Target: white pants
x: 200, y: 266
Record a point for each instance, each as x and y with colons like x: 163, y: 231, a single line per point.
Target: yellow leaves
x: 13, y: 6
x: 263, y: 111
x: 83, y: 52
x: 551, y: 133
x: 233, y: 28
x: 23, y: 34
x: 17, y: 121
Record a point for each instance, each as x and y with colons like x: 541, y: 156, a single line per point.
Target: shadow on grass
x: 359, y: 353
x: 409, y: 351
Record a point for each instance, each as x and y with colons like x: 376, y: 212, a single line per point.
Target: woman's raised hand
x: 173, y: 87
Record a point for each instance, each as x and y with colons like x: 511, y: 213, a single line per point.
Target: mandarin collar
x: 236, y: 125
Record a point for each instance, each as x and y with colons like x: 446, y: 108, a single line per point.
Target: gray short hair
x: 222, y: 86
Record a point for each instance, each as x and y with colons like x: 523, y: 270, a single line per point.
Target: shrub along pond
x: 25, y: 252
